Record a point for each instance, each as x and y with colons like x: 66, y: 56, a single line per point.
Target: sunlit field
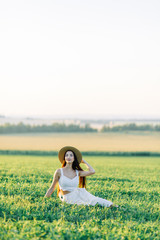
x: 130, y: 182
x: 131, y: 141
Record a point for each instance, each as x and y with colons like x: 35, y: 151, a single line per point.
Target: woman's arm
x: 54, y: 183
x: 86, y: 173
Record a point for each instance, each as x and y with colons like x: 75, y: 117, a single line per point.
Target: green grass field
x: 130, y: 182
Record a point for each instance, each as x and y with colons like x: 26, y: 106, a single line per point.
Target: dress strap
x: 61, y: 172
x: 77, y: 172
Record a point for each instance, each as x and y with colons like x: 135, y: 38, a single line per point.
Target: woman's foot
x: 112, y: 206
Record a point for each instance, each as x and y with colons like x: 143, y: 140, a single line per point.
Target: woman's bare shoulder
x: 57, y: 173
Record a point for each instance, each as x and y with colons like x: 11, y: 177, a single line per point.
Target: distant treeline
x: 88, y: 153
x: 61, y: 127
x: 55, y: 127
x: 131, y: 127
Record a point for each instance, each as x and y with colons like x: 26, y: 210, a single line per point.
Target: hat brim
x: 73, y: 149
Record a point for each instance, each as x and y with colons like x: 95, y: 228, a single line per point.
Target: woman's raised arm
x: 86, y: 173
x: 54, y: 183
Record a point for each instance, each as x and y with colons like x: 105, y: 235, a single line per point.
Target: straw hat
x: 69, y: 148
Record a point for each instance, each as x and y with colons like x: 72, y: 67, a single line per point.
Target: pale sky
x: 81, y: 57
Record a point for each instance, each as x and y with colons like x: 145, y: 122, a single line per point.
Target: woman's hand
x: 83, y: 161
x: 90, y: 169
x: 86, y: 173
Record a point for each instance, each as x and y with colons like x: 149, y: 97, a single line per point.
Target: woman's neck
x: 68, y: 166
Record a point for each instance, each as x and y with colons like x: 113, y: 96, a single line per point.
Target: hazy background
x: 80, y: 58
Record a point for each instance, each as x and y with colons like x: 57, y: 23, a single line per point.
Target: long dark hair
x: 75, y: 166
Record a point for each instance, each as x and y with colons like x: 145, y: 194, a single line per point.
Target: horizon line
x: 82, y: 117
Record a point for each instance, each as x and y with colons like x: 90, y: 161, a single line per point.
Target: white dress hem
x: 81, y: 196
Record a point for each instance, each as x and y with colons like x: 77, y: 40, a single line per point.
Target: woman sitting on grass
x: 70, y: 176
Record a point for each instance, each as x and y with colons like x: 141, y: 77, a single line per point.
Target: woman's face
x: 69, y: 157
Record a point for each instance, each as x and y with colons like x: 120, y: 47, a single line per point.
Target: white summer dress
x: 78, y: 195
